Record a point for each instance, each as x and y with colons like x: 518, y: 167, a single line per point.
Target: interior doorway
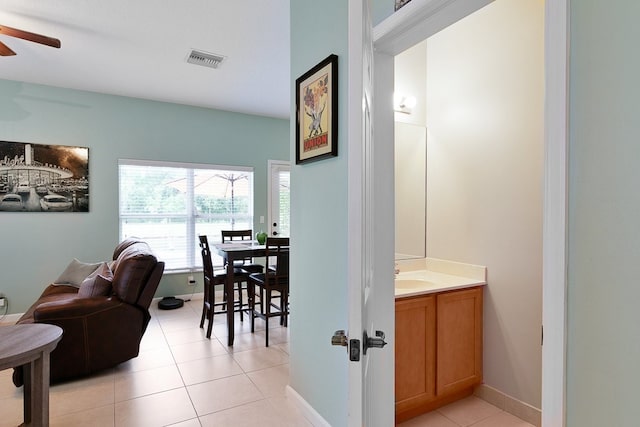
x: 399, y: 32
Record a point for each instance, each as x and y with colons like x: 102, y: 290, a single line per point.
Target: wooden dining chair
x: 273, y: 285
x: 243, y: 267
x: 212, y: 279
x: 246, y: 264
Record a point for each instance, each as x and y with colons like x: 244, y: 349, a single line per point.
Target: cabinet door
x: 415, y: 351
x: 459, y: 336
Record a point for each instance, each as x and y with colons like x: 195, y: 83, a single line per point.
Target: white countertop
x: 429, y: 275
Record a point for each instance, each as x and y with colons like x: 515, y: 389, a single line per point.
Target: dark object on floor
x: 170, y: 303
x: 99, y: 332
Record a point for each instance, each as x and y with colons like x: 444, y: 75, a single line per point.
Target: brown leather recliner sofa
x: 99, y: 332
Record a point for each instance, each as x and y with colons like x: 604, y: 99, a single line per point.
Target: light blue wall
x: 381, y: 9
x: 604, y: 215
x: 36, y: 247
x: 318, y: 371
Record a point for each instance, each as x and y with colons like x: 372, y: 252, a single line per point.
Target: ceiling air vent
x: 205, y: 59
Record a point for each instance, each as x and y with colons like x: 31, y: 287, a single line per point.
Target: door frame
x: 418, y: 20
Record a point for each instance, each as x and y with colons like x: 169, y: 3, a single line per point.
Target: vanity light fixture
x: 404, y: 103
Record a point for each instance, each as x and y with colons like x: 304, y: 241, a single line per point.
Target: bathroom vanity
x: 438, y: 344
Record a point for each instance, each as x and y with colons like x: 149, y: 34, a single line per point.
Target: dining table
x: 231, y: 252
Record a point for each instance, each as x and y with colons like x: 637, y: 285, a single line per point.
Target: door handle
x: 275, y: 233
x: 373, y: 342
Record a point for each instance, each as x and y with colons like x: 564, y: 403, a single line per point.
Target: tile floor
x: 183, y: 379
x: 471, y: 411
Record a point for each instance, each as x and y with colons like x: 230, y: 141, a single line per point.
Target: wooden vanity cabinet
x: 415, y: 352
x: 438, y: 350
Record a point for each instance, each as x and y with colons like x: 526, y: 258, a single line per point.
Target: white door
x: 279, y: 200
x: 371, y: 236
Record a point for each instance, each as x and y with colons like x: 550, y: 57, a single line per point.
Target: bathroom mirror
x: 411, y: 190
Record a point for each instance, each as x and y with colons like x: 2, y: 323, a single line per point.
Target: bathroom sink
x: 411, y: 284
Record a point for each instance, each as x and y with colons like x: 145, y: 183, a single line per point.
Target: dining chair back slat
x: 246, y: 264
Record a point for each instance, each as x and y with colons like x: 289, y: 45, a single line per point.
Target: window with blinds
x: 169, y: 204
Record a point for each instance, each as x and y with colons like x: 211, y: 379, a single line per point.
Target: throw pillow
x: 76, y: 272
x: 97, y: 284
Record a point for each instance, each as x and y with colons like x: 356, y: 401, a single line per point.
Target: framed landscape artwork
x: 317, y: 112
x: 43, y: 178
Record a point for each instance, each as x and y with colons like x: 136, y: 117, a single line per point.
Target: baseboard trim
x: 307, y: 410
x: 509, y: 404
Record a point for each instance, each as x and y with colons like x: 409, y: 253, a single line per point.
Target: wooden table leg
x: 36, y: 392
x: 27, y: 395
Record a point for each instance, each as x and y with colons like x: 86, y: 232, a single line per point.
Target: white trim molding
x: 554, y: 243
x: 307, y: 410
x: 509, y: 404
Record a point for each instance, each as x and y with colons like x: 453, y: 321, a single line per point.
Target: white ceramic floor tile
x: 502, y: 419
x: 149, y: 359
x: 431, y: 419
x: 244, y: 342
x: 284, y: 347
x: 183, y: 336
x: 197, y: 350
x: 212, y: 368
x: 260, y: 358
x: 264, y: 413
x: 251, y: 414
x: 181, y: 323
x: 469, y: 411
x: 149, y: 381
x: 156, y: 410
x: 289, y: 412
x: 153, y: 340
x: 194, y: 422
x: 240, y: 327
x: 80, y: 395
x: 271, y: 382
x: 7, y: 389
x: 96, y: 417
x: 11, y: 410
x: 223, y: 394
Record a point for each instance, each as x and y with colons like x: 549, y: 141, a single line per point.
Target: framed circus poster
x: 43, y: 178
x: 317, y: 112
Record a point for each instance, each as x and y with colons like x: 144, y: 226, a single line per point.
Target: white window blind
x: 169, y: 204
x: 284, y: 203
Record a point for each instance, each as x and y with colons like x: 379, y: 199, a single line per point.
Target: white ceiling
x: 138, y: 48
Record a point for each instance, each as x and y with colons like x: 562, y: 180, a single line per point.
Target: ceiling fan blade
x: 5, y: 51
x: 32, y: 37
